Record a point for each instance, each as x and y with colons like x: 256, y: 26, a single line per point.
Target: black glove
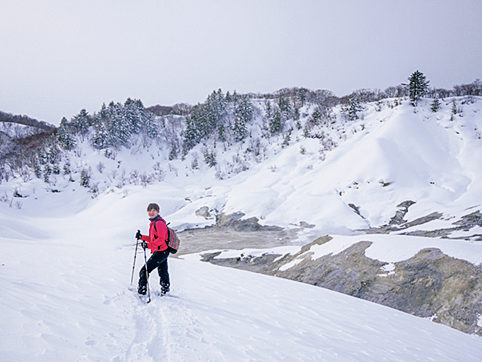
x: 138, y: 235
x: 144, y: 245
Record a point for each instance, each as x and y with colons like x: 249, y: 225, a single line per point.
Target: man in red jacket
x: 157, y: 242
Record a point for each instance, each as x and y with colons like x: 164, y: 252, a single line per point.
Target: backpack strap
x: 168, y: 234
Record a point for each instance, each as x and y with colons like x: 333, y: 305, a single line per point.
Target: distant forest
x: 28, y: 146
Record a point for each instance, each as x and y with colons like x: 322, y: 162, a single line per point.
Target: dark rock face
x: 397, y: 224
x: 430, y: 284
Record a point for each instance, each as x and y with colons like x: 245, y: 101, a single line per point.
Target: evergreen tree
x: 435, y: 106
x: 316, y: 116
x: 101, y: 122
x: 269, y: 111
x: 418, y: 87
x: 120, y: 127
x: 65, y: 136
x: 81, y: 122
x: 193, y: 133
x: 133, y: 115
x: 84, y: 177
x: 222, y: 133
x: 204, y: 120
x: 173, y: 153
x: 302, y: 95
x: 279, y: 115
x: 103, y: 116
x: 54, y: 154
x: 235, y: 96
x: 243, y: 114
x: 353, y: 108
x: 149, y: 124
x: 210, y: 157
x: 101, y: 137
x: 275, y: 122
x: 215, y: 109
x: 285, y: 108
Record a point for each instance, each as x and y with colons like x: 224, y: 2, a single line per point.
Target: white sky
x: 60, y: 56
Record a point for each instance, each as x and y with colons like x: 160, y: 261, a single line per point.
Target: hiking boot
x: 164, y: 291
x: 142, y: 290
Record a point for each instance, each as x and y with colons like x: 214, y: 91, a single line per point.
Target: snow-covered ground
x: 66, y: 256
x: 390, y: 155
x: 65, y: 296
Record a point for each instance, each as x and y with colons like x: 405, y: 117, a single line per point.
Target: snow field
x: 66, y: 258
x: 67, y: 296
x: 382, y: 159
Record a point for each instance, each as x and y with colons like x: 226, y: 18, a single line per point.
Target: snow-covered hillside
x: 392, y: 153
x: 66, y: 246
x: 65, y: 292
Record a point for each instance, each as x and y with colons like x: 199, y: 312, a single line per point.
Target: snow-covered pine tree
x: 285, y: 108
x: 215, y: 110
x: 101, y: 121
x: 133, y: 114
x: 243, y: 114
x: 120, y: 127
x: 417, y: 87
x: 353, y: 107
x: 65, y: 135
x: 194, y: 128
x: 81, y: 123
x: 435, y: 105
x: 101, y: 138
x: 149, y: 124
x: 275, y: 122
x: 204, y: 120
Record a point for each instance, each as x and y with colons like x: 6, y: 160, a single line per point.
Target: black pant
x: 157, y: 260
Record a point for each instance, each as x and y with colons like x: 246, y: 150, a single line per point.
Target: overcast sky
x: 60, y: 56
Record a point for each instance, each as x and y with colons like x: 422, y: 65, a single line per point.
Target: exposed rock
x: 304, y: 224
x: 470, y: 220
x: 466, y: 223
x: 430, y: 284
x: 356, y: 209
x: 400, y: 214
x: 203, y: 212
x: 422, y: 220
x: 236, y: 222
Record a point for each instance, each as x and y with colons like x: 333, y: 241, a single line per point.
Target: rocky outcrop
x: 430, y: 284
x: 236, y: 222
x: 398, y: 224
x: 466, y: 223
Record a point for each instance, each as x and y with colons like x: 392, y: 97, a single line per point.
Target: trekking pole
x: 134, y: 265
x: 147, y: 277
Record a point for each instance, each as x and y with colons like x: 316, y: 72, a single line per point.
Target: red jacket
x: 156, y: 240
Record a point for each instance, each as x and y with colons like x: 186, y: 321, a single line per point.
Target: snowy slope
x: 65, y: 297
x: 423, y: 157
x: 66, y: 252
x: 390, y: 155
